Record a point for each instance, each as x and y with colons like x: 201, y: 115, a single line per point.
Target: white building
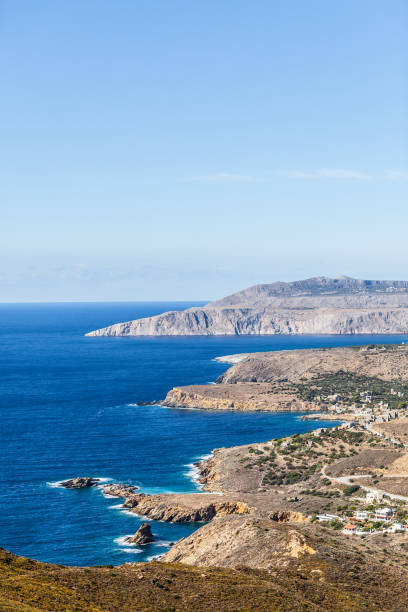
x: 395, y: 527
x: 384, y: 514
x: 374, y: 497
x: 328, y: 517
x: 362, y: 515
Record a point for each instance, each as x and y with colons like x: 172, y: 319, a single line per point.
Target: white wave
x: 166, y: 543
x: 56, y: 484
x: 155, y: 557
x: 134, y: 515
x: 193, y: 471
x: 123, y: 540
x: 115, y: 506
x: 132, y: 404
x: 109, y: 496
x: 205, y: 457
x: 135, y: 551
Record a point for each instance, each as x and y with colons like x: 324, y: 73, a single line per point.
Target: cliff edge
x: 318, y: 305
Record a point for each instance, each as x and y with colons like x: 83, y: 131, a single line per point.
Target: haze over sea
x: 69, y: 407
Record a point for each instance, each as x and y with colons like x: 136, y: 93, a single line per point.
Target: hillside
x: 318, y: 305
x: 299, y: 380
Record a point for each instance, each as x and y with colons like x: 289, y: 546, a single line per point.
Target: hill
x: 318, y: 305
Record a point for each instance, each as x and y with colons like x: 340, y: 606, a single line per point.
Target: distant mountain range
x: 317, y: 305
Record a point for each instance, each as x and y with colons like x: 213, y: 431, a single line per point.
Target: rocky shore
x: 177, y: 508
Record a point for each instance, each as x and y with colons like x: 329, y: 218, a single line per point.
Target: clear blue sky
x: 185, y: 149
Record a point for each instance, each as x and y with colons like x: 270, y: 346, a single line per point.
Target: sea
x: 78, y: 406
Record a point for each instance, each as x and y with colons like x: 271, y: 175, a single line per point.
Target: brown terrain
x: 242, y: 396
x: 261, y: 548
x: 318, y: 571
x: 258, y: 551
x: 274, y: 380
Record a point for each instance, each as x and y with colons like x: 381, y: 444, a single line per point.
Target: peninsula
x: 364, y: 382
x: 318, y: 305
x: 313, y: 521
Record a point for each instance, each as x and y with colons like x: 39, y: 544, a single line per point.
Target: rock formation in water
x: 142, y: 536
x: 318, y: 305
x: 81, y: 482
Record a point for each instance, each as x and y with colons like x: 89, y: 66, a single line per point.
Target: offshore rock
x: 81, y: 482
x: 142, y: 536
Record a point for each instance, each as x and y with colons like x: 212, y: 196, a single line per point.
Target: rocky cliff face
x: 314, y: 306
x: 249, y: 397
x: 178, y: 508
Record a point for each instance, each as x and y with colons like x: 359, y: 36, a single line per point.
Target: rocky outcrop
x: 286, y: 516
x: 81, y: 482
x: 270, y: 381
x: 315, y: 306
x: 250, y: 397
x: 119, y: 490
x: 142, y: 536
x: 241, y: 541
x: 181, y: 508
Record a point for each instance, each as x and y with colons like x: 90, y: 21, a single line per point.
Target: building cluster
x: 382, y: 519
x: 367, y: 412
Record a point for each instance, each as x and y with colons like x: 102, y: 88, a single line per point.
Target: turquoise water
x: 69, y: 407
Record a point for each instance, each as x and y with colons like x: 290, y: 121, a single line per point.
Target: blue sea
x: 70, y: 407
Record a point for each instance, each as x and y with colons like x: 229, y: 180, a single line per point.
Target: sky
x: 183, y: 150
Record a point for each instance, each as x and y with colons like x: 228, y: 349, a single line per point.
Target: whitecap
x: 109, y: 496
x: 115, y: 506
x: 155, y: 557
x: 56, y: 484
x: 193, y: 471
x: 122, y: 540
x: 139, y: 516
x: 166, y: 543
x: 205, y: 457
x: 135, y: 551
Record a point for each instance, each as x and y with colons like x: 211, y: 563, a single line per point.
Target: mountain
x: 317, y: 305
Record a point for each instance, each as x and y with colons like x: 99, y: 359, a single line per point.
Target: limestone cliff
x: 315, y: 306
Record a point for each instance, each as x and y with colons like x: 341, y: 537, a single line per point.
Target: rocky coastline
x: 260, y: 503
x: 318, y: 305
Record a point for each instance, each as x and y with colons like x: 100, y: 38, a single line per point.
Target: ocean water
x: 69, y: 407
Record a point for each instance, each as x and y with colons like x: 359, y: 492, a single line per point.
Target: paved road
x: 370, y: 428
x: 351, y: 479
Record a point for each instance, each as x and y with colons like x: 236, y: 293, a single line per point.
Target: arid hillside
x: 297, y: 380
x: 318, y: 305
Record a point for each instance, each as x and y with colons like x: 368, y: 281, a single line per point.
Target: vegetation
x: 301, y: 456
x: 348, y: 387
x: 351, y: 489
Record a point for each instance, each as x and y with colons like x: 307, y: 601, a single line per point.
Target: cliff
x: 315, y: 306
x: 293, y: 380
